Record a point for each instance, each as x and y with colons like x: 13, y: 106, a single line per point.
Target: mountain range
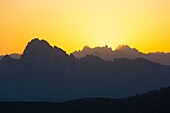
x: 46, y: 73
x: 123, y: 51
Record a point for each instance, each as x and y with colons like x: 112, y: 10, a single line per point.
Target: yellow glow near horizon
x: 71, y: 24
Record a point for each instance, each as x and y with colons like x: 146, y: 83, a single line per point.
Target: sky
x: 72, y: 24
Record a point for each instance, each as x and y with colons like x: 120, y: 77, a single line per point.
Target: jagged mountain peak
x: 106, y: 47
x: 96, y: 51
x: 124, y: 48
x: 86, y: 48
x: 41, y: 51
x: 35, y: 48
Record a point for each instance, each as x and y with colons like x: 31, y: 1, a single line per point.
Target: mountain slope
x: 46, y: 73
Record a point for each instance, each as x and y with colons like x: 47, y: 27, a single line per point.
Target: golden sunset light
x: 72, y: 24
x: 84, y: 56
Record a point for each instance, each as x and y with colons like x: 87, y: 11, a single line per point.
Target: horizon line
x: 77, y: 50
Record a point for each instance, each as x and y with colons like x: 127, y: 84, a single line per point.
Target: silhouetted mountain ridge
x: 122, y: 51
x: 46, y: 73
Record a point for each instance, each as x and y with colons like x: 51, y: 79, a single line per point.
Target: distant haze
x: 122, y: 51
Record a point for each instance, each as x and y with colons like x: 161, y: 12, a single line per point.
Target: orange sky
x: 71, y: 24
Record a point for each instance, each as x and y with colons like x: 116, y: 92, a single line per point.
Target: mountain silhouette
x: 152, y: 102
x: 40, y: 52
x: 122, y: 51
x: 14, y: 56
x: 102, y: 52
x: 46, y: 73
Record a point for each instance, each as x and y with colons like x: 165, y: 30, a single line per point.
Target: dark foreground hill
x: 152, y: 102
x: 46, y: 73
